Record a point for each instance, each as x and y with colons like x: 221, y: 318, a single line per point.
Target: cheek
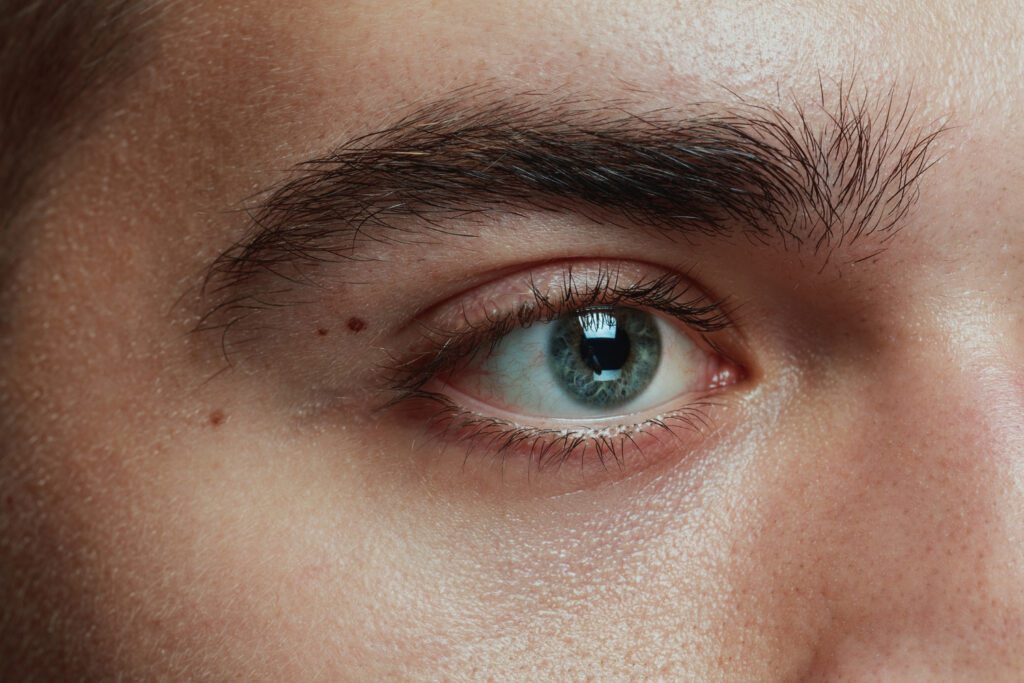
x: 1000, y: 405
x: 238, y: 556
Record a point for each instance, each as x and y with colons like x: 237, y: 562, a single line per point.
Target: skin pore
x: 183, y: 502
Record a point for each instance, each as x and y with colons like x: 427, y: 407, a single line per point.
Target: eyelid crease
x: 581, y: 281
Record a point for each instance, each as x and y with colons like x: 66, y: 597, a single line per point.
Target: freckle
x: 321, y: 331
x: 356, y: 324
x: 217, y: 418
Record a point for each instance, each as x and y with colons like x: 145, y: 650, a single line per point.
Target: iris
x: 604, y: 357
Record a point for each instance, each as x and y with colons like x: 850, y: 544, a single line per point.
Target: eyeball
x: 592, y: 364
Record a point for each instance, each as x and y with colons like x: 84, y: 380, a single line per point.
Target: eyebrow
x: 815, y: 177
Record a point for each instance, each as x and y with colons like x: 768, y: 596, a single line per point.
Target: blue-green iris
x: 605, y: 357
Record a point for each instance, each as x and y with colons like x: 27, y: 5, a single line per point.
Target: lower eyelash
x: 552, y: 448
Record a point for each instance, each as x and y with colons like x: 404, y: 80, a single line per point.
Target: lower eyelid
x: 682, y: 429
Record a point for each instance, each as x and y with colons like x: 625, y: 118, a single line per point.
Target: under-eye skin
x: 594, y: 362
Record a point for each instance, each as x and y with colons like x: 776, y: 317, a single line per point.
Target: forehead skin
x: 876, y: 535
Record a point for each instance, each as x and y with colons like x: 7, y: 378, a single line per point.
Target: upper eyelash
x: 669, y: 293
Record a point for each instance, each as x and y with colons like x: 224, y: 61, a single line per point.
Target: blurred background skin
x: 859, y: 518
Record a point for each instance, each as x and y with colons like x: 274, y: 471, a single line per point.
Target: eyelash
x: 552, y: 448
x: 448, y: 349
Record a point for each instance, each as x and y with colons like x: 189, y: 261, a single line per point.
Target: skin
x: 856, y: 514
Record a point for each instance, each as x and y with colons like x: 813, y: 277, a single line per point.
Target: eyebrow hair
x: 818, y: 178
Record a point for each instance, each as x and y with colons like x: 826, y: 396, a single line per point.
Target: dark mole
x: 356, y: 324
x: 321, y: 331
x: 217, y: 418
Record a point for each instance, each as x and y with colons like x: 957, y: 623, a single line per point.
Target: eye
x: 591, y: 365
x: 590, y: 361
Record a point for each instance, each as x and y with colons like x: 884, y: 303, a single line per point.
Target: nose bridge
x: 927, y: 568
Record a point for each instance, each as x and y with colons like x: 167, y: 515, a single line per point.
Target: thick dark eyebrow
x: 818, y: 177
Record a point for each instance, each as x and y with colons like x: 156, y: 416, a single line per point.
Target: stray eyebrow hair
x: 820, y: 177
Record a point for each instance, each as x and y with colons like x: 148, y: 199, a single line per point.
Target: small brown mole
x: 321, y: 331
x: 356, y: 324
x: 217, y: 418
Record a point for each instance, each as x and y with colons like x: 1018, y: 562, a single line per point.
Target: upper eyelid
x: 585, y: 281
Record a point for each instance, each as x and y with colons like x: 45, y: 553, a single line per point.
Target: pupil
x: 604, y: 345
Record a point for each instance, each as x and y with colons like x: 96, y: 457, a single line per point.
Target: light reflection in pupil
x: 604, y: 345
